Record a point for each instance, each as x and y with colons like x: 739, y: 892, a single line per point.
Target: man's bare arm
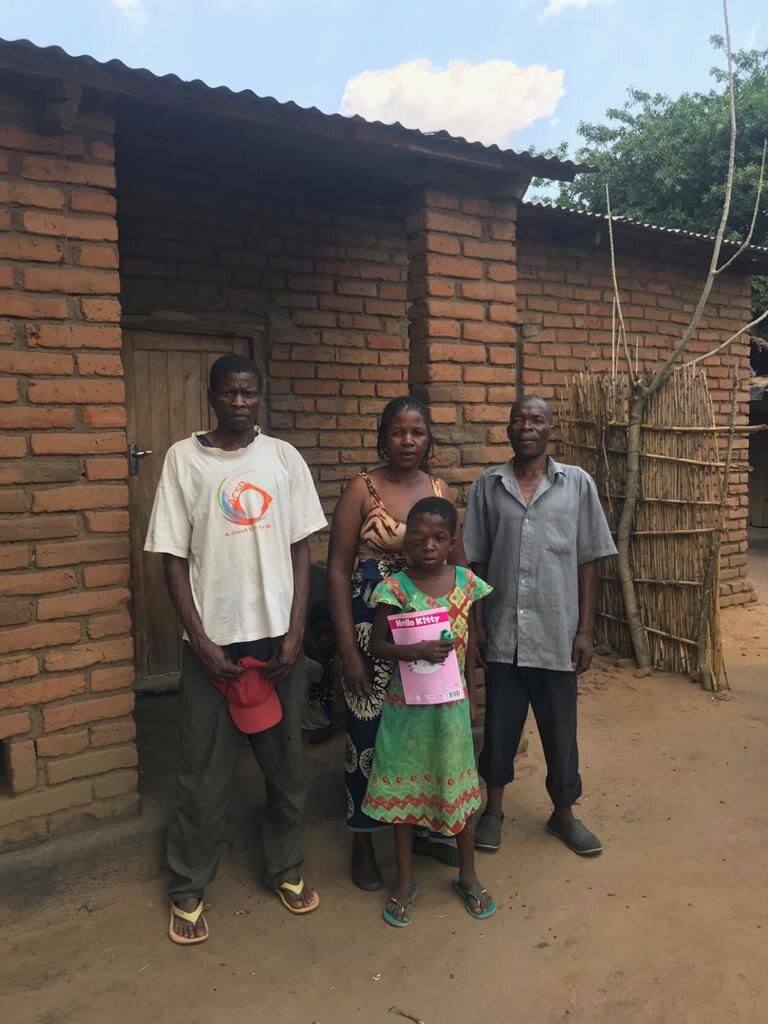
x: 212, y: 657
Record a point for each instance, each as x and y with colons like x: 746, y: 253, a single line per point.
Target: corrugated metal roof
x: 537, y: 204
x: 550, y: 167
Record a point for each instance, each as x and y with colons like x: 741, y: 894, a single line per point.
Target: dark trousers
x: 509, y: 690
x: 211, y: 746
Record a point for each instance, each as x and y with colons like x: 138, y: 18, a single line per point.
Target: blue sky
x: 517, y: 72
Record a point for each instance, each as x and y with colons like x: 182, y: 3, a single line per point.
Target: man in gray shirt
x: 535, y: 530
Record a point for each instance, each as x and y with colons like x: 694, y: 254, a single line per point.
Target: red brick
x: 62, y: 744
x: 101, y: 309
x: 13, y: 447
x: 42, y: 691
x: 72, y: 553
x: 67, y: 715
x: 78, y: 444
x: 90, y: 654
x: 106, y: 469
x: 115, y: 783
x: 16, y: 668
x: 80, y: 173
x: 94, y: 762
x: 450, y: 266
x: 15, y: 557
x: 26, y: 247
x: 33, y: 307
x: 112, y: 678
x: 106, y: 575
x: 92, y: 201
x: 14, y: 725
x: 72, y: 280
x: 114, y: 624
x: 74, y: 335
x: 70, y: 605
x: 107, y: 522
x: 24, y: 193
x: 35, y: 363
x: 15, y: 613
x: 9, y: 391
x: 21, y: 766
x: 101, y: 416
x: 46, y: 801
x: 37, y: 582
x: 25, y: 417
x: 43, y: 635
x: 64, y: 499
x: 105, y: 256
x: 38, y: 528
x: 107, y: 734
x: 7, y: 279
x: 77, y: 391
x: 63, y: 144
x: 14, y: 501
x: 502, y: 251
x: 495, y: 333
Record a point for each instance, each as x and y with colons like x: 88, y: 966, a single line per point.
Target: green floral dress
x: 423, y: 770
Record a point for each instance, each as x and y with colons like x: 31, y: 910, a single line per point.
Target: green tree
x: 665, y: 159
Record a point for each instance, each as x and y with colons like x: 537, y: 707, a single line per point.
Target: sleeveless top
x: 381, y: 535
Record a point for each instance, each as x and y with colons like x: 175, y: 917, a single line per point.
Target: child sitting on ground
x: 423, y: 771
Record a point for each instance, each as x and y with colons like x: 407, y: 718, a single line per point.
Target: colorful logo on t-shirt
x: 242, y: 502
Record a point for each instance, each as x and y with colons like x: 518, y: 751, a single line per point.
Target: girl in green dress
x: 423, y: 770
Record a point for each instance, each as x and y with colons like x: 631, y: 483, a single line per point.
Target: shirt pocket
x: 560, y: 532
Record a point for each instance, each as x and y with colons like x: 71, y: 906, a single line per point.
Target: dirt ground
x: 668, y: 925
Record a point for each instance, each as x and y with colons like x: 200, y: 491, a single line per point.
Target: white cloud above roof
x: 485, y: 102
x: 133, y: 9
x: 556, y: 7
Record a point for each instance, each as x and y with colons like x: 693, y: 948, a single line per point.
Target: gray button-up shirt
x: 531, y: 557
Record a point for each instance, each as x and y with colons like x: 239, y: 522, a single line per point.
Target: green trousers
x: 211, y: 746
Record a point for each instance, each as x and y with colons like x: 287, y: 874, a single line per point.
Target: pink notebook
x: 423, y: 681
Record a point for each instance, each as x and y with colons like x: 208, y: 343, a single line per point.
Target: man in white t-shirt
x: 233, y: 512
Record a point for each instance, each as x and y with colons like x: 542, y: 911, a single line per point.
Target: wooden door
x: 166, y: 381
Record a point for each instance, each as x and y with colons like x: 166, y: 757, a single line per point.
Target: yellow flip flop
x: 296, y: 889
x: 193, y: 916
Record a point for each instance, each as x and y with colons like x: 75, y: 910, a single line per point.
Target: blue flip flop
x: 467, y: 897
x: 390, y: 918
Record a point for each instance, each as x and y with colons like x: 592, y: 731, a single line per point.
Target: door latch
x: 134, y: 454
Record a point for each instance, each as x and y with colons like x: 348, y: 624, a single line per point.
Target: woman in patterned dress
x: 366, y: 546
x: 424, y: 772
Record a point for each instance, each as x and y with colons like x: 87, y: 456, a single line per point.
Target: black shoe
x: 368, y: 879
x: 575, y: 835
x: 488, y: 832
x: 446, y: 853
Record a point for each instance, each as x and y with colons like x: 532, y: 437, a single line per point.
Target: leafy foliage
x: 665, y: 159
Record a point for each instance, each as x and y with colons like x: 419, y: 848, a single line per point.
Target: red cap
x: 252, y: 699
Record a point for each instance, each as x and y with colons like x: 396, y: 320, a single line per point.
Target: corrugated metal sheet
x: 569, y: 211
x: 544, y: 166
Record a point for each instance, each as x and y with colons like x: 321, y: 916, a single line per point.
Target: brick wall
x: 223, y: 239
x: 65, y: 643
x: 463, y: 317
x: 565, y: 301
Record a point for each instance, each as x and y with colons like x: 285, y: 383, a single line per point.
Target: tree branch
x: 728, y: 341
x: 616, y: 297
x: 745, y: 244
x: 664, y: 372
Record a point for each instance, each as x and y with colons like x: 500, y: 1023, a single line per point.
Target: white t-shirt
x: 234, y: 515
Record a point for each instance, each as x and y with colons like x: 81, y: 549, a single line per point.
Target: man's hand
x: 214, y: 660
x: 284, y: 658
x: 581, y: 652
x: 355, y: 673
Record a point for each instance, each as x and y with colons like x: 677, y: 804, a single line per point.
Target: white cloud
x: 483, y: 102
x: 556, y: 7
x: 132, y: 9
